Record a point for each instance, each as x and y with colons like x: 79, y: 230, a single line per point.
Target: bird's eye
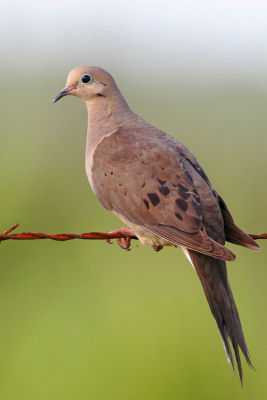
x: 86, y: 78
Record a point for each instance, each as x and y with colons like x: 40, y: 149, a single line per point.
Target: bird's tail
x: 213, y: 276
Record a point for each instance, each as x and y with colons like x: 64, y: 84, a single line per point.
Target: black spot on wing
x: 196, y: 207
x: 183, y: 192
x: 179, y: 216
x: 182, y: 188
x: 164, y: 190
x: 161, y: 181
x: 182, y: 204
x: 184, y: 195
x: 188, y: 176
x: 146, y: 203
x: 197, y: 199
x: 154, y: 198
x: 196, y: 195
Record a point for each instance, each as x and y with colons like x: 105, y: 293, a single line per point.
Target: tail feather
x: 213, y: 276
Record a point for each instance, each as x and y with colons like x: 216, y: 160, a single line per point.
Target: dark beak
x: 63, y: 93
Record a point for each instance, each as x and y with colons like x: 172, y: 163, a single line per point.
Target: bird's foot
x: 124, y: 242
x: 157, y: 247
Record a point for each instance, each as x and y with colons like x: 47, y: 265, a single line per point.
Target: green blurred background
x: 85, y: 320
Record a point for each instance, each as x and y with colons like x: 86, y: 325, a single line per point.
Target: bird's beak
x: 64, y: 92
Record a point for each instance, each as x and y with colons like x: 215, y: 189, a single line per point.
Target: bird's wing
x: 147, y: 181
x: 232, y: 232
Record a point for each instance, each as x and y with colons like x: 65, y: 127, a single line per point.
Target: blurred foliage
x: 85, y: 320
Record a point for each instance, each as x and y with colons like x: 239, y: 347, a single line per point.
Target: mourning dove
x: 155, y: 185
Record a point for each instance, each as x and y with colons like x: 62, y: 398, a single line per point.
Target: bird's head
x: 87, y: 83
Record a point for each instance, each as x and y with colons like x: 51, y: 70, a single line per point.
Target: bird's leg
x: 157, y: 247
x: 124, y: 242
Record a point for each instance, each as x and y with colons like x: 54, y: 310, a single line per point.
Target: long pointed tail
x: 213, y: 276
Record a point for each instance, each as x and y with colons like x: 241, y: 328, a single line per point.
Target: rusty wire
x: 61, y: 237
x: 7, y: 235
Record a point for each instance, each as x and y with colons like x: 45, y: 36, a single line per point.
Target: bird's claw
x: 124, y: 242
x: 157, y: 247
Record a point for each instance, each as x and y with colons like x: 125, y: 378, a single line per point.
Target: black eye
x: 86, y: 78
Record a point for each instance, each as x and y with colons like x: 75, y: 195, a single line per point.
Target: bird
x: 156, y: 186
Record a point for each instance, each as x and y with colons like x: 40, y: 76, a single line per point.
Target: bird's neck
x: 105, y: 116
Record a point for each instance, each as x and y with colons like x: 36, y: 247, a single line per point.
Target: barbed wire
x: 61, y: 237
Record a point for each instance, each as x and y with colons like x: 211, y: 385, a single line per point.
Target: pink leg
x: 124, y: 242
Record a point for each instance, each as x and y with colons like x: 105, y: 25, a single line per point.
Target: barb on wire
x: 7, y: 235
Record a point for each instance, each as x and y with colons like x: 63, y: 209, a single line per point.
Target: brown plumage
x: 155, y: 185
